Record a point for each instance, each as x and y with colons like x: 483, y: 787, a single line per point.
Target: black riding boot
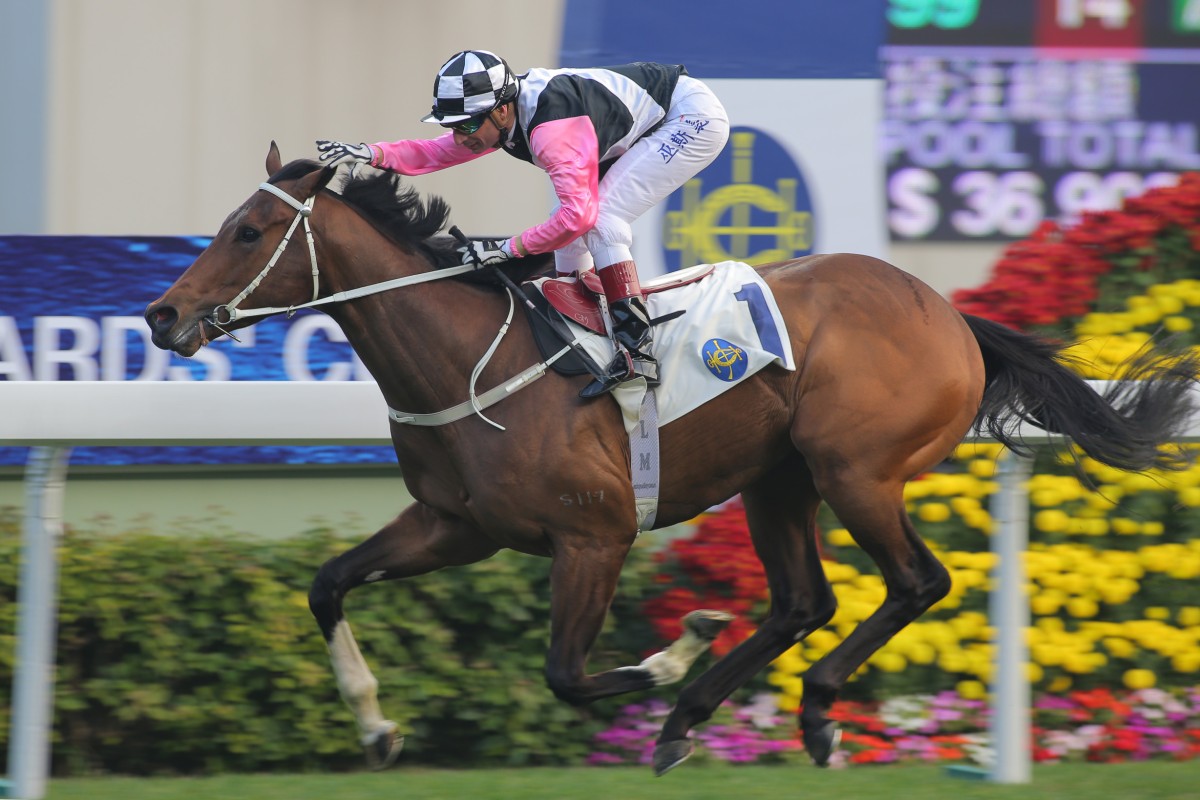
x: 631, y: 328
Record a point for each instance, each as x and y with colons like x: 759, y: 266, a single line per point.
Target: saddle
x: 576, y: 296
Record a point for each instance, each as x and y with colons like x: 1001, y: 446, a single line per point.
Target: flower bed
x: 1096, y: 725
x: 1059, y: 274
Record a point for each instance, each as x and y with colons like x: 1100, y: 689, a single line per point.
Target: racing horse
x: 888, y: 379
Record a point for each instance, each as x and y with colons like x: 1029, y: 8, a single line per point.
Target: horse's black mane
x: 412, y: 222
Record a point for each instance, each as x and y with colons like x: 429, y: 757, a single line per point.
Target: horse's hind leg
x: 416, y: 542
x: 781, y: 509
x: 874, y: 514
x: 583, y: 581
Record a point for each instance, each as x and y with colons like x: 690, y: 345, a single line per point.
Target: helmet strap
x: 505, y: 133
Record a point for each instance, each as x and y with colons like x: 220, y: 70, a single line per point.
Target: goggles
x: 469, y: 126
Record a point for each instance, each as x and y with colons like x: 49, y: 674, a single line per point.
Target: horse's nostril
x: 161, y: 318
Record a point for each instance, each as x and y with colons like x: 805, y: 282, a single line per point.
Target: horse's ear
x: 274, y: 162
x: 314, y: 181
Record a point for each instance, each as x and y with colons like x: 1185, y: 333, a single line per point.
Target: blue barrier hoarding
x: 71, y: 309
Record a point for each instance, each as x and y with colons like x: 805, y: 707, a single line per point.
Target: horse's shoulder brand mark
x: 582, y: 498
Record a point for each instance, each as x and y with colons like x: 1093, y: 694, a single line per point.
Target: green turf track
x: 690, y: 782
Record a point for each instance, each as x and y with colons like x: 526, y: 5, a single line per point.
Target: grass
x: 691, y: 781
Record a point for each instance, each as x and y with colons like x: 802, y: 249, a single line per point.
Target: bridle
x: 304, y: 212
x: 473, y: 405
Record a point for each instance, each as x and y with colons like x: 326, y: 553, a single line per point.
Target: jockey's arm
x: 421, y: 156
x: 568, y: 152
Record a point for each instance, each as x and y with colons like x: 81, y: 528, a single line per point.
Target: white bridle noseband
x: 303, y: 212
x: 473, y: 405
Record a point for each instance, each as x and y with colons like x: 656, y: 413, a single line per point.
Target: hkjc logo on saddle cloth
x: 724, y: 359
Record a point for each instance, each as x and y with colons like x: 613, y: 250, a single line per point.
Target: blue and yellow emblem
x: 724, y: 359
x: 750, y: 204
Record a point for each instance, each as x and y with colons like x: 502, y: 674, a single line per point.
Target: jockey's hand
x: 335, y: 153
x: 485, y: 252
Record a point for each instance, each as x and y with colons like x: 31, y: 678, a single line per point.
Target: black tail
x: 1124, y: 427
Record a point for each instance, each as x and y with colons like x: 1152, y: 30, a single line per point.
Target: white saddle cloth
x: 730, y: 330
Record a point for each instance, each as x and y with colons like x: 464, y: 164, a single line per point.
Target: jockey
x: 614, y: 141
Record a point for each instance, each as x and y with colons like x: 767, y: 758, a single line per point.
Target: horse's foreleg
x: 781, y: 510
x: 418, y: 541
x: 915, y: 580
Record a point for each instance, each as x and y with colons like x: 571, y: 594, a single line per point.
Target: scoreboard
x: 1000, y: 114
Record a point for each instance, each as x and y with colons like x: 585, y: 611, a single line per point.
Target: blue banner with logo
x: 71, y: 309
x: 800, y: 79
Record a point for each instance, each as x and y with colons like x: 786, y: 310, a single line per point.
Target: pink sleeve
x: 569, y: 153
x: 419, y: 156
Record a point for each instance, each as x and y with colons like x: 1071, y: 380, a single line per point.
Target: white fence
x: 53, y: 417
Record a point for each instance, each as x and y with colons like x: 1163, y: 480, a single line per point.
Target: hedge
x: 196, y: 653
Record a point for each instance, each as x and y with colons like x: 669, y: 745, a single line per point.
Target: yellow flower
x: 1189, y: 616
x: 1051, y: 521
x: 1186, y: 662
x: 889, y: 662
x: 840, y: 537
x: 1138, y: 679
x: 1126, y: 527
x: 982, y: 468
x: 971, y: 690
x: 1047, y: 602
x: 1121, y: 648
x: 934, y: 512
x: 1059, y: 684
x: 953, y: 661
x: 1170, y: 304
x: 1046, y: 654
x: 921, y: 653
x: 1046, y: 497
x: 1082, y: 607
x: 1080, y: 663
x: 1176, y: 324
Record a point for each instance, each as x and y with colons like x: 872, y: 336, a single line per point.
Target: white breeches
x: 690, y: 137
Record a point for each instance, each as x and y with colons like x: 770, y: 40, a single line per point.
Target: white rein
x: 473, y: 405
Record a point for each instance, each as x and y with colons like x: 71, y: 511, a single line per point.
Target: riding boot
x: 631, y: 329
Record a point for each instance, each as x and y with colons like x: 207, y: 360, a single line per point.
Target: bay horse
x: 889, y: 379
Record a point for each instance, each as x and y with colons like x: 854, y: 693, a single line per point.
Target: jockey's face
x: 487, y: 136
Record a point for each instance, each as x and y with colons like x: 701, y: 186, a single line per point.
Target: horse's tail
x: 1124, y: 427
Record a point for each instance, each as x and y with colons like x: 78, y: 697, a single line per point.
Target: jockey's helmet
x: 470, y: 84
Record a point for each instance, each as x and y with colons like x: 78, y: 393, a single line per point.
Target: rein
x: 473, y: 405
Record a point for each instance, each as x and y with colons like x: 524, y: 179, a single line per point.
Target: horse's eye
x: 248, y: 234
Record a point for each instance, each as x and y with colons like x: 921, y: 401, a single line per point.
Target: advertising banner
x: 800, y: 80
x: 999, y: 115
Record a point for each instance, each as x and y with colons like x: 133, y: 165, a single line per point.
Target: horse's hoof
x: 383, y: 746
x: 706, y: 623
x: 821, y: 743
x: 668, y: 755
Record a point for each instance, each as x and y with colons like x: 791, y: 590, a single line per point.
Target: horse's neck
x: 419, y: 342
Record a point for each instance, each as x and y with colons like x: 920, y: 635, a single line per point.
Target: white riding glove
x: 486, y: 252
x: 335, y: 153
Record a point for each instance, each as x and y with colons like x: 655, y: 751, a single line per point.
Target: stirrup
x: 619, y: 370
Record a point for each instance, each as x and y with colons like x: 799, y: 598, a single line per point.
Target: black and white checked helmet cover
x: 472, y: 82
